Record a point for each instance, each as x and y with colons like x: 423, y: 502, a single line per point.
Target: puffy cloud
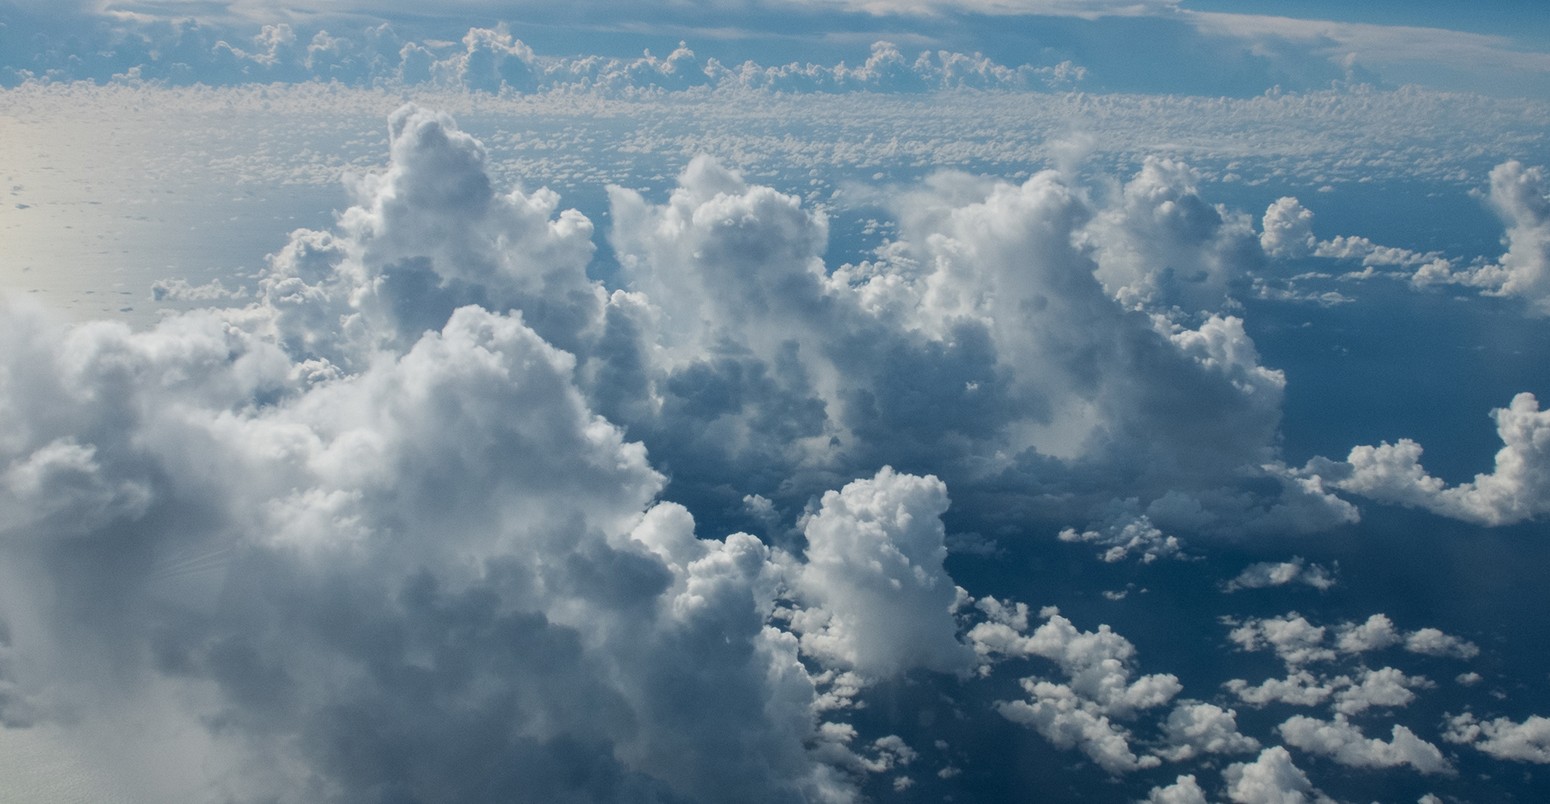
x: 1521, y: 198
x: 1184, y: 790
x: 1270, y: 779
x: 1195, y: 727
x: 1385, y: 687
x: 1294, y: 640
x: 1433, y: 642
x: 1267, y: 574
x: 1287, y: 229
x: 1345, y: 743
x: 1161, y: 245
x: 1516, y: 490
x: 363, y: 534
x: 879, y: 600
x: 1299, y: 688
x: 1082, y: 713
x: 1503, y: 738
x: 1375, y: 633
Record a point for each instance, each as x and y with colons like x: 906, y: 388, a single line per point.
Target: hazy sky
x: 993, y: 400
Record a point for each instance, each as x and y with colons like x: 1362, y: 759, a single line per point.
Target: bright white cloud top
x: 911, y: 423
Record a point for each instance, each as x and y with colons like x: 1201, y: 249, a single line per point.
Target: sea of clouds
x: 413, y: 521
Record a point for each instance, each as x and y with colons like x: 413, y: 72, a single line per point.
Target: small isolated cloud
x: 1503, y: 738
x: 1518, y: 489
x: 1432, y: 642
x: 1343, y: 742
x: 1280, y: 573
x: 1287, y: 229
x: 1134, y: 537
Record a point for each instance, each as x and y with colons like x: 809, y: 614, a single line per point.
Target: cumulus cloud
x: 879, y: 600
x: 1136, y: 536
x: 1384, y: 687
x: 1270, y: 779
x: 1299, y: 688
x: 1194, y: 728
x: 1516, y: 490
x: 1503, y: 738
x: 1085, y: 712
x: 1184, y: 790
x: 1521, y: 198
x: 1294, y: 640
x: 1287, y: 229
x: 1343, y: 742
x: 1268, y: 574
x: 433, y: 485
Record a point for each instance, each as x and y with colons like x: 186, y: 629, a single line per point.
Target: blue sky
x: 774, y: 401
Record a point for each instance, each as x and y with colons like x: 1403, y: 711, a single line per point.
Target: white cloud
x: 1299, y: 688
x: 1287, y: 229
x: 1122, y: 539
x: 1184, y: 790
x: 1294, y: 640
x: 1517, y: 489
x: 1433, y: 642
x: 1194, y: 728
x: 1082, y: 713
x: 1270, y: 779
x: 1375, y: 633
x: 879, y: 601
x: 1385, y: 687
x: 1343, y: 742
x: 1268, y: 574
x: 1521, y: 198
x: 1503, y: 738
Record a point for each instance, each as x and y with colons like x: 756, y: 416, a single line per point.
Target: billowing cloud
x: 1343, y: 742
x: 1287, y: 229
x: 1085, y: 713
x: 1270, y: 779
x: 1503, y: 738
x: 1516, y: 490
x: 1194, y: 728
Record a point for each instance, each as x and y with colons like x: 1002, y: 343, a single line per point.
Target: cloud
x: 1520, y: 197
x: 1503, y: 738
x: 1386, y: 687
x: 1294, y: 640
x: 1287, y: 229
x: 1299, y: 688
x: 1194, y: 728
x: 1136, y: 536
x: 1432, y: 642
x: 1184, y: 790
x: 1268, y: 574
x: 1270, y: 779
x: 879, y: 600
x: 1082, y: 713
x: 1344, y: 743
x: 1516, y: 490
